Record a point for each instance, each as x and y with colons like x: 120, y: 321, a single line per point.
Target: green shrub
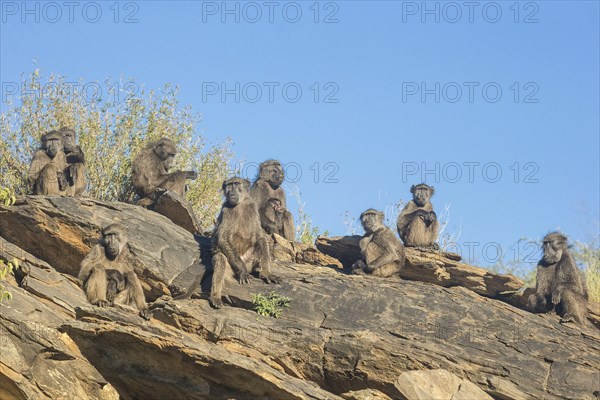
x: 111, y: 128
x: 6, y: 269
x: 7, y: 197
x: 269, y: 304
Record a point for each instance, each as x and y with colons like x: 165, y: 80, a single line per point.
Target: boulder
x: 437, y: 267
x: 62, y: 230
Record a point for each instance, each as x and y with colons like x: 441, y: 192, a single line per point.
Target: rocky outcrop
x: 343, y: 336
x: 437, y: 267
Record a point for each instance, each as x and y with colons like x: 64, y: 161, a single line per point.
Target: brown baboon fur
x: 559, y: 285
x: 46, y: 172
x: 417, y: 223
x: 112, y: 254
x: 381, y: 251
x: 239, y: 244
x: 150, y: 171
x: 115, y: 283
x: 268, y: 186
x: 75, y: 173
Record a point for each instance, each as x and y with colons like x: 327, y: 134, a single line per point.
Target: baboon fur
x: 560, y: 285
x: 417, y: 223
x: 239, y: 244
x: 150, y: 171
x: 382, y: 253
x: 268, y: 186
x: 75, y: 173
x: 46, y: 172
x: 112, y: 254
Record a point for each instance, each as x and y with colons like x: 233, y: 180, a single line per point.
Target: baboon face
x: 371, y: 220
x: 272, y: 172
x: 69, y: 139
x: 52, y: 144
x: 235, y: 190
x: 421, y: 194
x: 276, y: 204
x: 553, y: 246
x: 113, y: 239
x: 166, y: 151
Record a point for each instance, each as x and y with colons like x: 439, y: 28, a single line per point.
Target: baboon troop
x: 270, y: 199
x: 249, y: 215
x: 150, y: 172
x: 107, y: 276
x: 417, y: 223
x: 58, y: 167
x: 560, y: 285
x: 381, y: 251
x: 239, y: 244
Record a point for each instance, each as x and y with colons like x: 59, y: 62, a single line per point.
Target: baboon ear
x: 432, y: 190
x: 412, y: 189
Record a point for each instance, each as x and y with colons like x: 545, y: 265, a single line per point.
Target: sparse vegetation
x: 269, y: 304
x: 7, y: 197
x: 6, y: 269
x: 305, y: 232
x: 113, y: 121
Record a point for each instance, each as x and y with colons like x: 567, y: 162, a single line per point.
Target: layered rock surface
x: 343, y: 336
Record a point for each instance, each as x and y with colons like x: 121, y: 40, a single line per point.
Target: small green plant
x: 269, y: 304
x: 7, y: 197
x: 6, y: 269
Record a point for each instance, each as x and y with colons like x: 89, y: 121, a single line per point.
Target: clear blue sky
x: 374, y: 58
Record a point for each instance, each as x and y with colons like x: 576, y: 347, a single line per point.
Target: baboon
x: 272, y: 216
x: 75, y: 171
x: 381, y: 251
x: 417, y: 223
x: 115, y: 283
x: 560, y: 285
x: 98, y: 280
x: 239, y: 243
x: 150, y: 171
x: 267, y: 186
x: 46, y: 172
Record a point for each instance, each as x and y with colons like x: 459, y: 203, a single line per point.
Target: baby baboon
x: 268, y: 186
x: 417, y: 223
x: 46, y: 173
x: 115, y: 284
x: 75, y: 171
x: 559, y: 285
x: 150, y: 171
x: 111, y: 254
x: 382, y: 253
x: 239, y: 243
x: 272, y: 216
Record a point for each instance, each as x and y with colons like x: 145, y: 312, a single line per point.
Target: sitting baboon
x: 381, y: 251
x: 268, y: 186
x: 417, y: 223
x: 150, y: 171
x: 46, y: 173
x: 239, y: 243
x: 559, y: 285
x: 115, y: 284
x: 75, y: 171
x: 112, y: 254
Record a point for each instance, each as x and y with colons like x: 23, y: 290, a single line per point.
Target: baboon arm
x: 289, y: 232
x: 386, y: 241
x: 542, y: 280
x: 40, y: 159
x: 88, y: 263
x: 136, y: 290
x: 265, y: 255
x: 232, y: 256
